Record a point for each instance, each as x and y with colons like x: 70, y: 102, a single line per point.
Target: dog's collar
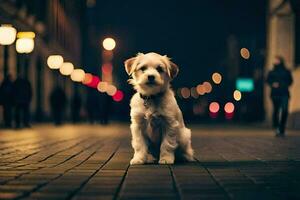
x: 151, y: 97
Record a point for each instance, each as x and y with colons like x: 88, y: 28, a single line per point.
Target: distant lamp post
x: 55, y: 61
x: 109, y: 44
x: 7, y: 37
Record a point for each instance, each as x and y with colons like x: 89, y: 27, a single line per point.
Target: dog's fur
x: 157, y: 124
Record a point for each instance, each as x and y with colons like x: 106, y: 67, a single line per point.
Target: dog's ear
x: 173, y: 71
x: 129, y: 65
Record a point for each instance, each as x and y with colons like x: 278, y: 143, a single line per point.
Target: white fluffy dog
x: 157, y: 124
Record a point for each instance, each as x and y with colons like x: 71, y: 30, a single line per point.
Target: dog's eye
x: 143, y: 68
x: 160, y: 69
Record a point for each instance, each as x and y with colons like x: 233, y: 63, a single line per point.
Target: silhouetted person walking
x: 58, y: 102
x: 23, y: 96
x: 7, y: 100
x: 279, y: 79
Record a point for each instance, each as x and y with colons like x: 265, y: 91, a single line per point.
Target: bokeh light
x: 229, y: 107
x: 94, y: 82
x: 77, y: 75
x: 111, y: 90
x: 24, y: 45
x: 217, y: 78
x: 200, y: 89
x: 7, y: 34
x: 237, y: 95
x: 55, y: 61
x: 118, y: 96
x: 214, y: 107
x: 66, y: 68
x: 109, y: 44
x: 185, y: 92
x: 194, y: 93
x: 88, y: 77
x: 102, y: 86
x: 245, y: 53
x: 207, y: 87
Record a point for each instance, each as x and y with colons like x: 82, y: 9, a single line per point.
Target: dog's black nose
x: 151, y: 78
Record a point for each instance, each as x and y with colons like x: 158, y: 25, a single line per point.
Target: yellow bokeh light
x: 7, y: 34
x: 185, y: 92
x: 66, y: 68
x: 55, y: 61
x: 245, y: 53
x: 24, y: 45
x: 102, y: 86
x: 109, y: 44
x: 217, y: 78
x: 111, y: 90
x: 77, y: 75
x: 237, y: 95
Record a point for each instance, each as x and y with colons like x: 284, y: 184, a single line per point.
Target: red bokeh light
x: 94, y: 82
x: 107, y: 68
x: 229, y: 108
x: 214, y: 107
x: 118, y: 96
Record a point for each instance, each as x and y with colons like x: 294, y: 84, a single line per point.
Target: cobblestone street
x: 92, y: 162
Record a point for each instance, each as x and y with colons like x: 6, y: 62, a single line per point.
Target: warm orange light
x: 88, y: 78
x: 237, y: 95
x: 229, y: 108
x: 245, y: 53
x: 200, y: 89
x: 207, y: 86
x: 214, y: 107
x: 185, y: 92
x: 217, y: 78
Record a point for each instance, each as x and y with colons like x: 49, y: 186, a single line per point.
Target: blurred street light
x: 245, y: 53
x: 7, y: 34
x: 111, y: 90
x: 229, y: 108
x: 214, y: 107
x: 88, y: 78
x: 185, y: 92
x: 217, y: 78
x: 102, y: 86
x: 25, y: 42
x: 66, y: 68
x: 237, y: 95
x: 7, y: 37
x: 109, y: 44
x: 55, y: 61
x: 77, y: 75
x: 118, y: 96
x: 207, y: 86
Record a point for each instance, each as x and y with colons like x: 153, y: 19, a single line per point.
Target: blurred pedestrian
x: 7, y: 99
x: 280, y: 79
x: 76, y: 107
x: 58, y: 102
x: 23, y: 96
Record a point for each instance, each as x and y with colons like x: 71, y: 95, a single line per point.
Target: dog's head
x: 151, y: 73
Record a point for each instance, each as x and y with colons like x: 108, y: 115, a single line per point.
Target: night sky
x: 193, y: 33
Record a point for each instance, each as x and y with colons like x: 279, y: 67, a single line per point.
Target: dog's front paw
x: 137, y: 161
x: 166, y: 160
